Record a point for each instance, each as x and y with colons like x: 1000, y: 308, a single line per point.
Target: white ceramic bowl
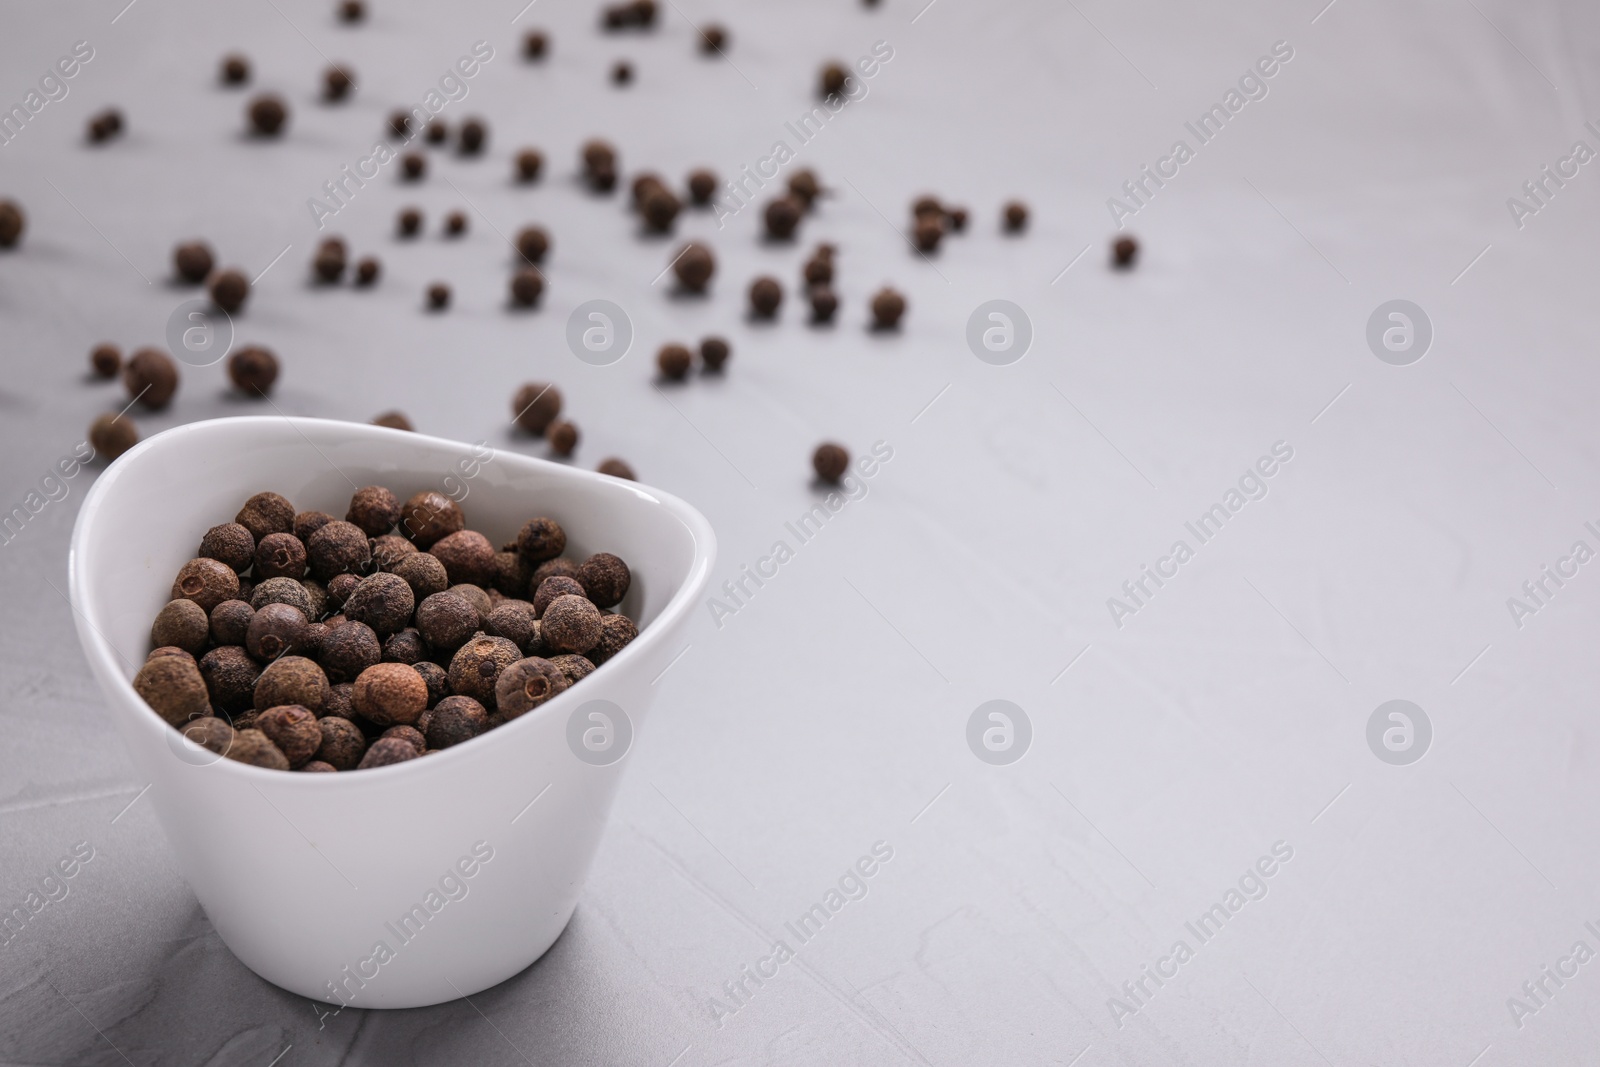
x: 304, y: 876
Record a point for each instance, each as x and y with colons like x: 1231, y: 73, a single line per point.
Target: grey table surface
x: 1173, y: 746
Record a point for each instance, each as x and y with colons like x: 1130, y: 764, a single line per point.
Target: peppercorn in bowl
x: 383, y: 623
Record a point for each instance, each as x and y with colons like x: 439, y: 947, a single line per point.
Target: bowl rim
x: 97, y: 646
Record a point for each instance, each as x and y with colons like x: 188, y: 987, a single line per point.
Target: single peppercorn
x: 318, y: 766
x: 535, y: 44
x: 481, y: 601
x: 348, y: 650
x: 526, y: 286
x: 105, y: 360
x: 455, y: 719
x: 173, y: 688
x: 253, y: 370
x: 151, y: 378
x: 207, y: 582
x: 281, y: 591
x: 393, y: 420
x: 575, y: 667
x: 824, y: 304
x: 352, y: 10
x: 267, y: 115
x: 280, y: 555
x: 616, y: 631
x: 429, y: 516
x: 526, y: 684
x: 529, y: 162
x: 408, y: 222
x: 410, y: 735
x: 407, y: 647
x: 181, y: 624
x: 515, y: 621
x: 338, y: 703
x: 570, y: 624
x: 887, y: 308
x: 616, y: 468
x: 765, y: 297
x: 307, y: 523
x: 423, y: 573
x: 385, y: 752
x: 830, y: 461
x: 446, y: 621
x: 511, y: 572
x: 374, y: 509
x: 210, y: 733
x: 169, y: 650
x: 1015, y: 216
x: 341, y: 743
x: 230, y: 543
x: 400, y: 123
x: 390, y: 549
x: 340, y: 586
x: 230, y: 621
x: 473, y: 135
x: 1124, y: 252
x: 383, y: 601
x: 192, y: 261
x: 413, y: 165
x: 231, y: 675
x: 702, y: 186
x: 553, y: 587
x: 535, y: 406
x: 541, y: 539
x: 255, y: 748
x: 659, y: 208
x: 551, y: 568
x: 927, y: 233
x: 111, y: 435
x: 455, y: 224
x: 605, y: 579
x: 805, y: 188
x: 957, y: 217
x: 276, y: 630
x: 229, y: 290
x: 600, y: 166
x: 832, y: 79
x: 622, y: 72
x: 12, y: 223
x: 563, y: 437
x: 438, y: 132
x: 336, y: 83
x: 438, y: 681
x: 713, y: 39
x: 478, y: 663
x: 438, y: 296
x: 336, y: 548
x: 694, y: 267
x: 367, y: 270
x: 235, y: 69
x: 532, y: 243
x: 674, y: 361
x: 782, y: 217
x: 714, y: 352
x: 104, y: 126
x: 387, y: 694
x: 266, y: 513
x: 818, y: 271
x: 293, y: 729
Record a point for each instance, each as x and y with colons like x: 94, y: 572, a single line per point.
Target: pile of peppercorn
x: 298, y: 641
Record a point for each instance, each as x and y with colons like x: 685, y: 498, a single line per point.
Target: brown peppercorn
x: 782, y: 217
x: 438, y: 296
x: 281, y: 591
x: 830, y: 461
x: 307, y: 523
x: 437, y: 132
x: 229, y: 543
x: 338, y: 548
x: 535, y: 44
x: 169, y: 650
x: 575, y: 667
x: 383, y: 601
x: 570, y: 624
x: 393, y: 420
x: 339, y: 704
x: 235, y: 69
x: 616, y: 631
x: 536, y: 406
x: 532, y: 243
x: 714, y: 352
x: 291, y: 680
x: 386, y: 751
x: 1124, y: 252
x: 410, y: 735
x: 229, y: 622
x: 348, y: 650
x: 455, y: 223
x: 481, y: 601
x: 529, y: 163
x: 927, y: 233
x: 207, y: 582
x: 550, y: 568
x: 553, y: 587
x: 407, y: 646
x: 253, y: 369
x: 659, y: 208
x: 478, y: 663
x: 957, y: 217
x: 616, y: 468
x: 446, y: 621
x: 317, y: 766
x: 765, y: 297
x: 702, y: 186
x: 192, y: 260
x: 694, y: 267
x: 924, y: 206
x: 293, y: 729
x: 605, y: 579
x: 413, y: 165
x: 12, y: 223
x: 276, y: 630
x: 563, y: 437
x: 267, y: 115
x: 429, y: 516
x: 621, y: 72
x: 400, y: 123
x: 713, y: 39
x: 455, y: 719
x: 387, y: 694
x: 151, y: 378
x: 266, y: 513
x: 805, y: 187
x: 181, y: 624
x: 105, y: 125
x: 409, y: 222
x: 280, y: 555
x: 229, y: 290
x: 516, y: 621
x: 423, y: 573
x: 526, y: 286
x: 438, y: 681
x: 600, y: 166
x: 511, y: 572
x: 1015, y: 217
x: 674, y: 361
x: 541, y: 539
x: 367, y: 271
x: 833, y: 79
x: 390, y: 549
x: 374, y: 509
x: 105, y: 360
x: 335, y: 83
x: 473, y: 135
x: 342, y: 743
x: 209, y: 732
x: 352, y: 10
x: 824, y: 304
x: 818, y: 270
x: 230, y: 676
x: 256, y: 748
x: 111, y: 435
x: 173, y: 688
x: 887, y: 308
x: 526, y: 684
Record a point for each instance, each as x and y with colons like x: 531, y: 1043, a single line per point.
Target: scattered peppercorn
x: 1015, y: 216
x: 765, y: 297
x: 438, y: 296
x: 832, y: 79
x: 674, y: 361
x: 267, y: 115
x: 621, y: 72
x: 413, y: 165
x: 529, y: 163
x: 958, y: 219
x: 526, y: 684
x: 105, y: 360
x: 12, y: 223
x: 252, y: 370
x: 276, y: 630
x: 473, y: 135
x: 714, y: 352
x: 235, y: 69
x: 111, y: 435
x: 409, y: 222
x: 713, y: 39
x: 532, y: 243
x: 423, y: 573
x: 805, y: 188
x: 438, y: 131
x: 393, y: 420
x: 830, y: 461
x: 336, y: 83
x: 515, y: 621
x: 702, y: 185
x: 455, y: 224
x: 535, y: 45
x: 526, y: 286
x: 616, y: 468
x: 192, y: 261
x: 928, y: 232
x: 563, y: 437
x: 694, y: 267
x: 887, y: 309
x: 605, y: 578
x: 782, y: 216
x: 106, y: 125
x: 367, y: 270
x: 536, y: 406
x: 229, y: 290
x: 659, y: 208
x: 280, y: 555
x: 1124, y: 252
x: 600, y: 166
x: 400, y: 123
x: 352, y: 10
x: 824, y: 303
x: 151, y: 378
